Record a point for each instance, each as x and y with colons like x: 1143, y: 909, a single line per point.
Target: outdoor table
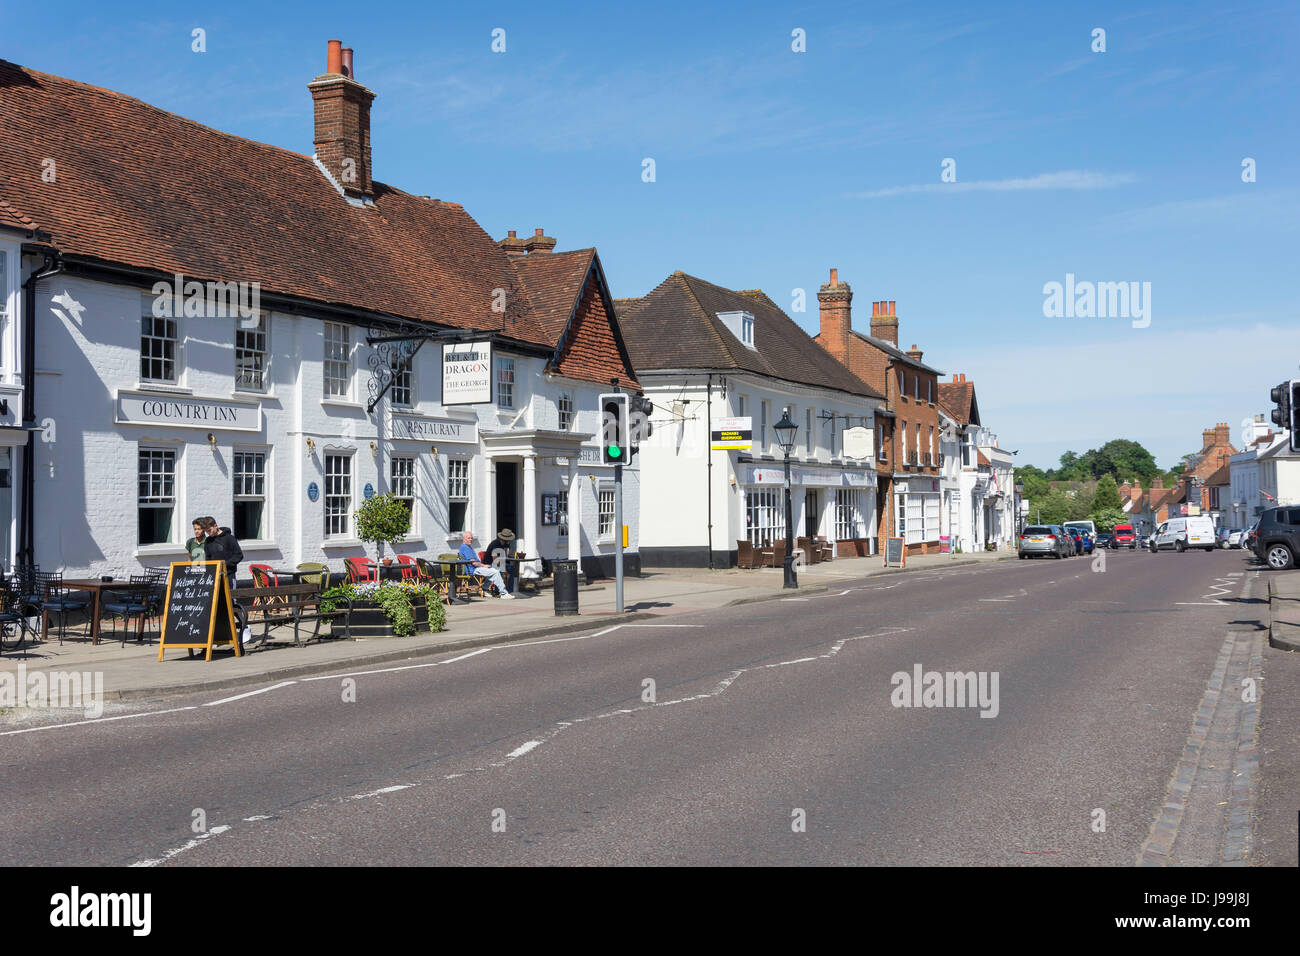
x: 93, y: 585
x: 451, y: 577
x: 295, y: 575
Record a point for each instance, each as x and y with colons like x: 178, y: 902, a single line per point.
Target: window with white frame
x: 762, y: 426
x: 505, y: 383
x: 902, y: 383
x: 747, y: 329
x: 807, y: 430
x: 402, y: 392
x: 918, y: 443
x: 606, y: 525
x: 916, y: 387
x: 562, y: 514
x: 249, y: 507
x: 880, y: 443
x: 338, y: 360
x: 900, y: 515
x: 338, y: 495
x: 401, y: 471
x: 156, y: 494
x: 931, y: 449
x: 915, y: 512
x: 930, y: 505
x: 764, y: 515
x: 457, y: 495
x: 4, y: 288
x: 740, y: 406
x: 565, y: 407
x: 929, y: 389
x: 251, y: 353
x: 902, y: 430
x: 158, y: 342
x: 849, y: 522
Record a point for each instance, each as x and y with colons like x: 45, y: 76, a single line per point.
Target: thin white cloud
x: 1066, y: 179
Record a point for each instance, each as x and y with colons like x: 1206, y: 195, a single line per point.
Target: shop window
x: 457, y: 495
x: 848, y: 514
x: 764, y: 515
x: 156, y: 495
x: 251, y: 353
x: 249, y: 495
x: 338, y: 495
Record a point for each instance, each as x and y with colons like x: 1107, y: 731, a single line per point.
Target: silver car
x: 1042, y: 539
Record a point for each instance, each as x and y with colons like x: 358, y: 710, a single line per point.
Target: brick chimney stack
x: 342, y: 107
x: 835, y: 301
x: 914, y: 353
x: 1222, y: 434
x: 884, y: 323
x: 538, y: 242
x: 512, y: 244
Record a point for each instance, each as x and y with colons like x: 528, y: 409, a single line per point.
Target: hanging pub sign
x: 858, y: 443
x: 729, y: 434
x: 467, y: 373
x: 197, y: 614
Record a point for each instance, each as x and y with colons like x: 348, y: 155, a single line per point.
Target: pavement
x: 133, y: 672
x: 1284, y: 610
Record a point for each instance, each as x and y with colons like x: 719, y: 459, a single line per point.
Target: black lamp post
x: 785, y: 432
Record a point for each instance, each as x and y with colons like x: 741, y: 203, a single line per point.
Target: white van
x: 1183, y: 533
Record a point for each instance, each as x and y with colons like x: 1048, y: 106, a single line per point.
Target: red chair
x: 361, y: 570
x: 263, y: 576
x: 409, y: 571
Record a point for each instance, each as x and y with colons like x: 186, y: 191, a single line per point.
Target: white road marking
x: 255, y: 818
x: 168, y: 854
x: 524, y: 748
x: 380, y: 792
x: 796, y: 599
x: 98, y: 720
x: 251, y: 693
x: 407, y: 667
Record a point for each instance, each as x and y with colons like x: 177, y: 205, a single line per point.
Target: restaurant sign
x: 467, y: 373
x: 810, y: 477
x: 187, y: 411
x: 435, y: 429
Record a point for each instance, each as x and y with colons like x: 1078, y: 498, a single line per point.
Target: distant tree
x: 1107, y: 518
x: 1056, y: 507
x: 1131, y: 460
x: 1034, y: 480
x: 1107, y: 497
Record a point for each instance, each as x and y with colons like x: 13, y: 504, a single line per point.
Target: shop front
x: 829, y: 502
x: 918, y: 510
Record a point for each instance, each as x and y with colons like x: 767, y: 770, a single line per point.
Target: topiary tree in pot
x: 383, y: 519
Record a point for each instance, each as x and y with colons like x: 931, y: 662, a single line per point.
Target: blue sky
x: 773, y: 166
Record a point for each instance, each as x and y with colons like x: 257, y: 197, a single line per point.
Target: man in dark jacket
x: 220, y: 545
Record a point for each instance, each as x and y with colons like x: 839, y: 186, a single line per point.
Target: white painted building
x: 256, y: 409
x: 727, y: 364
x: 1279, y: 473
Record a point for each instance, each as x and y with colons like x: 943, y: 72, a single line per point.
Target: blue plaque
x: 368, y: 490
x: 313, y: 492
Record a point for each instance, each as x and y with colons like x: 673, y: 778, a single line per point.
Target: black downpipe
x: 27, y: 506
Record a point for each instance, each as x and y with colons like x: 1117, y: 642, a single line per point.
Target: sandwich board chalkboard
x: 198, y: 614
x: 895, y: 555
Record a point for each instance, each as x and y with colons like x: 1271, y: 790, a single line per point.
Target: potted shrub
x: 383, y: 520
x: 387, y: 609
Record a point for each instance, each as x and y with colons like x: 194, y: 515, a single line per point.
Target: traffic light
x: 615, y: 448
x: 639, y: 417
x: 1287, y: 413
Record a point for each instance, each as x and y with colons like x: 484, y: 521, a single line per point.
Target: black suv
x: 1277, y: 541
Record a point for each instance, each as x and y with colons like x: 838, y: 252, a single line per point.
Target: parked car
x: 1278, y: 537
x: 1250, y: 538
x: 1041, y: 539
x: 1103, y: 540
x: 1070, y: 548
x: 1143, y: 540
x: 1179, y: 534
x: 1123, y: 537
x: 1236, y: 538
x: 1082, y: 540
x: 1223, y: 537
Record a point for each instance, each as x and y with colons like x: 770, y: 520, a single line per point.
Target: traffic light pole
x: 618, y: 531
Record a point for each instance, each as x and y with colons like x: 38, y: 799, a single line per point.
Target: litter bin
x: 566, y: 587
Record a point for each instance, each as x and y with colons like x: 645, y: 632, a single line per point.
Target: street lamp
x: 785, y: 432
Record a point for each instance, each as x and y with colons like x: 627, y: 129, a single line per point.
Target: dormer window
x: 741, y: 325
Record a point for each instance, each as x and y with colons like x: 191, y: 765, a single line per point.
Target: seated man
x: 502, y: 547
x: 477, y: 567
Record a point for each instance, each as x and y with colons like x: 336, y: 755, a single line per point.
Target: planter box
x: 368, y: 620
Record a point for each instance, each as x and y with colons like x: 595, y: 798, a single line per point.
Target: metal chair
x: 434, y: 575
x: 128, y: 602
x: 264, y: 576
x: 318, y: 574
x: 465, y: 578
x: 408, y: 567
x: 58, y: 600
x: 361, y: 570
x: 14, y: 630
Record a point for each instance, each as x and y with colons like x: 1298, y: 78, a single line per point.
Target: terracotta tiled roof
x: 958, y: 400
x: 1223, y: 476
x: 11, y: 218
x: 569, y: 299
x: 981, y: 458
x: 142, y: 187
x: 676, y: 326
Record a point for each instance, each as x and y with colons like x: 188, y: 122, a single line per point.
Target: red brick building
x: 907, y: 433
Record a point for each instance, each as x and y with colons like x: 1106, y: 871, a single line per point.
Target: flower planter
x: 368, y: 620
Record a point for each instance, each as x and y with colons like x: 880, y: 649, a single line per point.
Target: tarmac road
x: 764, y: 717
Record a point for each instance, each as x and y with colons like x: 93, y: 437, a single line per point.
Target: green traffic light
x: 615, y: 451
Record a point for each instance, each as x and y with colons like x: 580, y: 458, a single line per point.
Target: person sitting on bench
x: 477, y: 567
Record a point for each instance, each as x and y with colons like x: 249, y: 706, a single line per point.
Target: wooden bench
x: 290, y: 604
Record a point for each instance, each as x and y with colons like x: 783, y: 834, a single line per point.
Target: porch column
x: 490, y: 502
x: 575, y: 512
x: 531, y: 540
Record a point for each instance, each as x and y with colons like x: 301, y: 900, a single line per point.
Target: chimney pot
x: 511, y: 234
x: 538, y: 232
x: 891, y: 306
x: 346, y: 58
x: 875, y: 308
x: 835, y: 277
x: 334, y: 57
